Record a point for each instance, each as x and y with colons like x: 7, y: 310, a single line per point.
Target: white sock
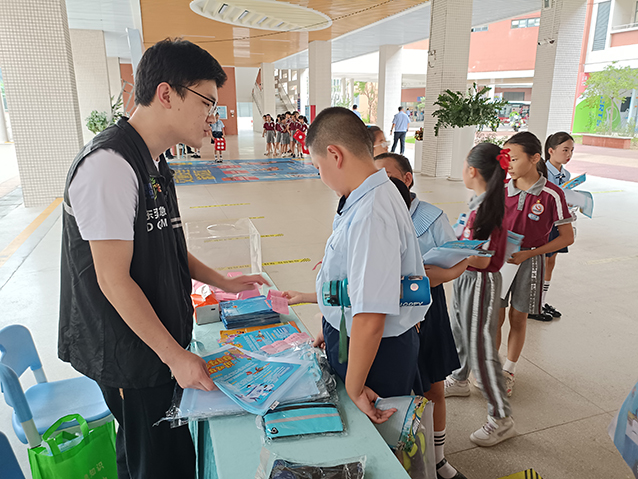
x: 510, y: 366
x: 545, y: 289
x: 446, y: 471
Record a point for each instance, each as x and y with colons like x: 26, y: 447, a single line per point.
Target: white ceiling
x: 408, y: 27
x: 111, y: 16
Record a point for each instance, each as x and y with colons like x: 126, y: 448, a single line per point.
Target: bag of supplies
x: 91, y: 453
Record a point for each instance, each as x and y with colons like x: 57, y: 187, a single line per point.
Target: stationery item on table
x: 248, y: 312
x: 206, y: 307
x: 508, y: 272
x: 273, y: 466
x: 255, y: 340
x: 248, y: 293
x: 292, y: 341
x: 274, y: 293
x: 574, y: 182
x: 514, y: 242
x: 583, y: 199
x: 225, y: 333
x: 453, y: 252
x: 302, y: 419
x: 253, y: 381
x: 410, y: 434
x: 279, y: 305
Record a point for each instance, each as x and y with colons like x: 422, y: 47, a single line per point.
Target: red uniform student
x: 269, y: 133
x: 532, y: 207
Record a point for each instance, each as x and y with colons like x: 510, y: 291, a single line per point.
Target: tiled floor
x: 574, y: 374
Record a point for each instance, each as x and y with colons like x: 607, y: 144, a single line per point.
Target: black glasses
x: 213, y: 103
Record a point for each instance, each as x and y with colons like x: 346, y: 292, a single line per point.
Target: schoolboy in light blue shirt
x: 373, y: 245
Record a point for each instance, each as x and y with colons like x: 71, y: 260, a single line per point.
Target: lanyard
x: 343, y: 339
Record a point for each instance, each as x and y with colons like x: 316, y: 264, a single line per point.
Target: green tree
x: 611, y: 84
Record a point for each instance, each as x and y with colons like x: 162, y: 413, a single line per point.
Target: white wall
x: 244, y: 82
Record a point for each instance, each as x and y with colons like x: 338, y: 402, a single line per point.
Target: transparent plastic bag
x: 273, y: 466
x: 410, y: 434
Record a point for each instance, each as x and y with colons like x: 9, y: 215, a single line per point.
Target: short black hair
x: 400, y: 108
x: 339, y: 126
x: 179, y: 63
x: 354, y: 107
x: 401, y: 161
x: 403, y: 189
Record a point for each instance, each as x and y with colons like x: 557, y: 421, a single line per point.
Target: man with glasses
x: 125, y: 306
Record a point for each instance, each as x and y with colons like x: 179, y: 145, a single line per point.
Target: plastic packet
x: 194, y: 404
x: 410, y: 434
x: 273, y: 466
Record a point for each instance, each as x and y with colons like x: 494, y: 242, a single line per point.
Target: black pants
x: 145, y: 451
x: 399, y: 135
x: 394, y: 371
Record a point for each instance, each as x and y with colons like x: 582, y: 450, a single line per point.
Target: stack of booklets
x: 453, y: 252
x: 243, y: 313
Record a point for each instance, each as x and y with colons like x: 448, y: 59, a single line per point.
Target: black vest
x: 92, y: 335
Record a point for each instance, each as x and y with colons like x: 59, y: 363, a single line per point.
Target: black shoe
x: 541, y: 317
x: 195, y: 155
x: 443, y: 462
x: 551, y: 310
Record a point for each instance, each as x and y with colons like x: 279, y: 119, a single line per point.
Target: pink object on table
x: 222, y: 296
x: 197, y: 284
x: 291, y: 341
x: 234, y: 274
x: 279, y: 305
x: 273, y: 293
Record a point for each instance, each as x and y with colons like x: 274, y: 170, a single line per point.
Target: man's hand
x: 365, y: 402
x: 190, y: 371
x: 521, y: 256
x: 243, y: 282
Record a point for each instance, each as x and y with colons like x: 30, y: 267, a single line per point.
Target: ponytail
x: 484, y: 157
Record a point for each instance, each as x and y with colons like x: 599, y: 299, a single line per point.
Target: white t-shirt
x: 104, y: 197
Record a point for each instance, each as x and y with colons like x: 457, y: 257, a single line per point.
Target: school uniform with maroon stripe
x: 475, y: 320
x: 532, y: 213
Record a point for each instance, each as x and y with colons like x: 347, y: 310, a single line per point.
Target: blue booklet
x: 254, y: 382
x: 574, y: 182
x: 255, y: 311
x: 255, y: 340
x: 453, y: 252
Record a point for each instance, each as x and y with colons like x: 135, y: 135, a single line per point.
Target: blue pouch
x: 302, y: 419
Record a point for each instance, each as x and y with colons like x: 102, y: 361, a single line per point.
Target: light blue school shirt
x: 217, y: 126
x: 356, y: 112
x: 401, y: 122
x: 557, y: 177
x: 432, y: 225
x: 373, y: 244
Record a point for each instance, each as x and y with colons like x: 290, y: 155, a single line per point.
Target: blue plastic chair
x: 35, y: 410
x: 10, y: 468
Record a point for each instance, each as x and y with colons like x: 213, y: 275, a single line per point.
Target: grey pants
x: 474, y: 325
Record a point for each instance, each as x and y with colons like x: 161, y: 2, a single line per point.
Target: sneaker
x: 509, y: 383
x: 494, y: 431
x: 195, y: 155
x: 456, y: 388
x: 551, y: 310
x: 544, y: 317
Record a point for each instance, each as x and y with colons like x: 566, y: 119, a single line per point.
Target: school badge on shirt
x: 537, y: 210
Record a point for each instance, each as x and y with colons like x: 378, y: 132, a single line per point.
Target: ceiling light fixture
x: 279, y: 24
x: 222, y: 9
x: 243, y: 14
x: 262, y: 20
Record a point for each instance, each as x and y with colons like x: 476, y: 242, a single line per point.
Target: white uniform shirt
x: 373, y: 244
x: 103, y: 194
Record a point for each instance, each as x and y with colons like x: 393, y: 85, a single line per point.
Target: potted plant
x: 98, y: 121
x: 418, y: 149
x: 464, y: 113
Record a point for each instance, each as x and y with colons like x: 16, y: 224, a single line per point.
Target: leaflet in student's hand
x: 453, y: 252
x: 253, y: 381
x: 574, y: 182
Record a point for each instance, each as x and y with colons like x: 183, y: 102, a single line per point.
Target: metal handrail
x: 283, y: 94
x: 256, y: 101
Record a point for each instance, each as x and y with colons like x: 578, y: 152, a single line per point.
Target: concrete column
x: 37, y: 67
x: 351, y: 89
x: 4, y: 133
x: 448, y: 58
x: 389, y: 85
x: 91, y: 74
x: 115, y: 77
x: 303, y: 90
x: 320, y: 76
x: 556, y: 73
x: 268, y: 89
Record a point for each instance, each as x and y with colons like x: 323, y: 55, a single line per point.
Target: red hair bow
x: 504, y: 158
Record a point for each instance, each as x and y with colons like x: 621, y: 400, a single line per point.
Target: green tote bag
x: 90, y: 455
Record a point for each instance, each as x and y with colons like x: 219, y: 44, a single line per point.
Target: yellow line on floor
x: 271, y: 263
x: 217, y: 206
x: 611, y: 260
x: 610, y: 191
x: 6, y: 253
